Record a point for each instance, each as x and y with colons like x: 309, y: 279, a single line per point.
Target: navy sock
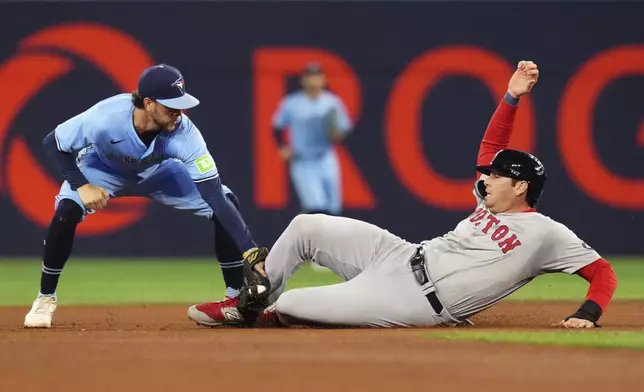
x: 229, y: 256
x: 58, y: 244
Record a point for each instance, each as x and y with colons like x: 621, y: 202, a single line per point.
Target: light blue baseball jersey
x: 309, y: 121
x: 109, y: 129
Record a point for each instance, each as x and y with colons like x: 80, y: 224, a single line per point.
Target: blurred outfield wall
x: 421, y: 80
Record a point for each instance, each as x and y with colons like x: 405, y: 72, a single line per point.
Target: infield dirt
x: 155, y: 348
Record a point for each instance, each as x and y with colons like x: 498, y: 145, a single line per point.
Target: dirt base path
x: 154, y: 348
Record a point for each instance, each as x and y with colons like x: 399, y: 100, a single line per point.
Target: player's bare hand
x: 575, y: 323
x: 286, y: 153
x: 259, y: 267
x: 524, y: 78
x: 93, y: 197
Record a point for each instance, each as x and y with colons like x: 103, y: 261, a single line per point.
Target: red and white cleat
x: 215, y: 314
x: 269, y: 319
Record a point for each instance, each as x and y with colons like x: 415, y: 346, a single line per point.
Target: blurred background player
x: 138, y: 144
x: 317, y: 119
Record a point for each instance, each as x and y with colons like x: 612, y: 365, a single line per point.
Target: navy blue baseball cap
x: 312, y: 69
x: 164, y: 83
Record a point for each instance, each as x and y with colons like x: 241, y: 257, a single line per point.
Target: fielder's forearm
x: 64, y: 162
x: 226, y: 213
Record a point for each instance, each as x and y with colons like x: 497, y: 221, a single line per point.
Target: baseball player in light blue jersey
x: 138, y: 144
x: 317, y: 119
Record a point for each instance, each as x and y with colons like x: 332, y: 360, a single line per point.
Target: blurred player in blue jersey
x: 317, y: 119
x: 140, y: 144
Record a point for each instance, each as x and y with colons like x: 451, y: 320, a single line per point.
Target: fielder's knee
x: 68, y: 210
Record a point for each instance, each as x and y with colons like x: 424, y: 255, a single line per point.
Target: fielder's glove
x: 254, y: 293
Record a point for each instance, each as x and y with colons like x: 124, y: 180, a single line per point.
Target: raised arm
x: 499, y: 129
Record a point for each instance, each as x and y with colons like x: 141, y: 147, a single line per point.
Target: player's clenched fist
x: 93, y: 197
x: 524, y: 78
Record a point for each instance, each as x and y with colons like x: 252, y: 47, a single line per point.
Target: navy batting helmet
x: 521, y: 166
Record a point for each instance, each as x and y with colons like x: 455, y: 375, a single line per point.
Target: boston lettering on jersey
x: 497, y: 233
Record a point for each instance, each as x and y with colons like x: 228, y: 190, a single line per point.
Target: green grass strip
x: 570, y: 338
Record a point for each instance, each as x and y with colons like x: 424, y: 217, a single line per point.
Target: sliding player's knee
x: 287, y: 304
x: 305, y: 225
x: 68, y: 211
x: 297, y: 307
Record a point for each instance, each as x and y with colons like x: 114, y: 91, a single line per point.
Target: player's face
x: 314, y: 82
x: 163, y: 116
x: 503, y: 193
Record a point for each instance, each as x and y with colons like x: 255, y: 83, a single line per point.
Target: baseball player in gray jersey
x: 390, y: 282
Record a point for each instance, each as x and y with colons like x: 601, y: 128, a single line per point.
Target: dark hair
x: 137, y: 100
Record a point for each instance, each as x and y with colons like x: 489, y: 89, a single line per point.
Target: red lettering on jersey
x: 492, y: 221
x: 478, y: 215
x: 506, y: 244
x: 509, y: 243
x: 500, y: 233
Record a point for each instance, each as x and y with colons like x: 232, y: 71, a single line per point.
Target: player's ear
x: 520, y: 187
x: 147, y: 103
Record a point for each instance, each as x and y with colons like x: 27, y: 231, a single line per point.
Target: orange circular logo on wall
x: 33, y: 67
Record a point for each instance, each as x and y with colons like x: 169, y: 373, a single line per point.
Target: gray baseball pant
x: 380, y: 289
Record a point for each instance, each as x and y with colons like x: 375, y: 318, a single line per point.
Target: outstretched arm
x: 571, y: 255
x: 603, y: 282
x: 212, y: 193
x: 190, y: 148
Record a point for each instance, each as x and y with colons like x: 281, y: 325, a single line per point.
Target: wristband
x: 510, y: 100
x: 589, y: 310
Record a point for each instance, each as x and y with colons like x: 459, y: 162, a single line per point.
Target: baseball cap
x: 312, y: 69
x: 165, y: 84
x: 515, y: 164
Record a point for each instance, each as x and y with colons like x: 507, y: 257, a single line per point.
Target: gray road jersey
x: 489, y: 256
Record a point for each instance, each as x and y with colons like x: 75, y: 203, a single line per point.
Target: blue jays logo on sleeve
x: 180, y: 84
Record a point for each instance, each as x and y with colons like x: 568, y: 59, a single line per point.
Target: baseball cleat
x: 269, y: 319
x: 41, y: 313
x: 215, y: 314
